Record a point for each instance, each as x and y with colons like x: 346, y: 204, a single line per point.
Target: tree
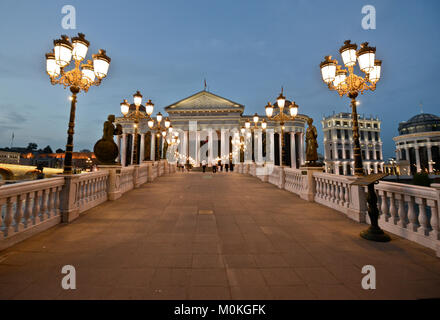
x: 32, y: 146
x: 48, y: 149
x: 59, y: 150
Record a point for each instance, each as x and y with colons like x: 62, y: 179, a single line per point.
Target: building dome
x: 424, y: 122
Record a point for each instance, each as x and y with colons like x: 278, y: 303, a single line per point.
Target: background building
x: 9, y: 157
x: 338, y: 144
x: 418, y: 144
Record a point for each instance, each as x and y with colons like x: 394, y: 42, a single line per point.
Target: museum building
x: 210, y: 128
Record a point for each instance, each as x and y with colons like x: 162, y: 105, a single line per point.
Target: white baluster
x: 18, y: 213
x: 393, y: 211
x: 27, y: 210
x: 36, y: 208
x: 423, y: 218
x: 402, y: 212
x: 384, y: 206
x: 435, y: 234
x: 8, y: 216
x: 412, y: 217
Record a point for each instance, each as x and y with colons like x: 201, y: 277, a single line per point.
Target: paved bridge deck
x: 222, y: 236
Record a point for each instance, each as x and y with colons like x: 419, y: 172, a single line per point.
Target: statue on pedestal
x: 106, y: 150
x: 311, y: 144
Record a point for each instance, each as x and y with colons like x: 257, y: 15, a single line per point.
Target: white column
x: 184, y: 149
x: 417, y: 159
x: 292, y: 150
x: 271, y: 145
x: 197, y: 148
x: 152, y: 145
x: 210, y: 146
x: 124, y: 149
x: 259, y: 144
x: 302, y: 150
x: 428, y: 147
x: 132, y: 147
x: 222, y: 144
x: 142, y: 151
x: 227, y: 135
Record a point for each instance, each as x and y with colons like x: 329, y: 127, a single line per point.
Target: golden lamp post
x: 351, y: 85
x: 135, y: 115
x: 160, y: 129
x: 248, y: 126
x: 81, y: 77
x: 281, y: 117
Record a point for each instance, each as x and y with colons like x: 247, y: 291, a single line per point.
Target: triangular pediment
x: 204, y: 100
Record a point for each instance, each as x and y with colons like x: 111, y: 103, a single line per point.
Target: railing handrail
x: 29, y: 186
x: 412, y: 190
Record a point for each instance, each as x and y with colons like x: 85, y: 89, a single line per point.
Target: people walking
x: 204, y: 165
x: 214, y: 167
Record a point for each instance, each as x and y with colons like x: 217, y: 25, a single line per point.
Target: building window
x: 338, y: 133
x: 376, y: 136
x: 347, y: 154
x: 329, y: 134
x: 339, y: 154
x: 346, y: 134
x: 362, y: 135
x: 375, y: 125
x: 378, y: 155
x: 369, y: 135
x: 363, y: 154
x: 331, y: 154
x: 371, y: 154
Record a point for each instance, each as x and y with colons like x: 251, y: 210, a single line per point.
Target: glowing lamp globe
x: 52, y: 68
x: 80, y: 47
x: 149, y: 107
x: 328, y: 69
x: 137, y: 99
x: 124, y: 107
x: 63, y: 51
x: 101, y: 63
x: 366, y: 56
x: 269, y: 109
x: 348, y: 53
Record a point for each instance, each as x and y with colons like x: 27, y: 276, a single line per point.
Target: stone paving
x: 214, y: 236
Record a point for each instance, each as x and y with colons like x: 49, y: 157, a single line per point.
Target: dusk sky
x: 245, y: 49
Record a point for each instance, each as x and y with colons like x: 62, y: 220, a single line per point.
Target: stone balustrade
x: 409, y: 211
x: 27, y: 208
x: 295, y: 181
x: 30, y: 207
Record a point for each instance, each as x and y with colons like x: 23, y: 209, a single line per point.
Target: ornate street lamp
x: 160, y: 130
x: 281, y: 117
x: 81, y: 77
x: 336, y: 78
x: 136, y: 116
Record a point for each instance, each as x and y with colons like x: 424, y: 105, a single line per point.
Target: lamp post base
x: 375, y: 234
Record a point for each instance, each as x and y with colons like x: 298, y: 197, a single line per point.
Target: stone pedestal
x: 68, y: 209
x: 114, y: 192
x: 309, y: 192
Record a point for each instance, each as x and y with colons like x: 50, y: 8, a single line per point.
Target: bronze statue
x: 106, y: 150
x: 311, y: 144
